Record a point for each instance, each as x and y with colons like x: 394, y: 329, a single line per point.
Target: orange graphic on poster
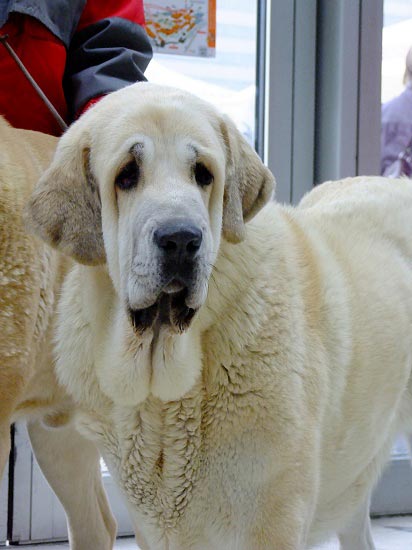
x: 186, y: 27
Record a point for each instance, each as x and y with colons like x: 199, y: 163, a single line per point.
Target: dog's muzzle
x: 178, y: 245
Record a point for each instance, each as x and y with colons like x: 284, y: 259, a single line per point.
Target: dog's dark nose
x: 180, y: 241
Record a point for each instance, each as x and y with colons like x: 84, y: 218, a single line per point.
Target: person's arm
x: 108, y: 51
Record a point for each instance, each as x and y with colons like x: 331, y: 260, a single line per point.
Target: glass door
x: 394, y: 492
x: 228, y: 80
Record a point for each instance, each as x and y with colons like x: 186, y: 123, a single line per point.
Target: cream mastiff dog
x: 30, y: 280
x: 243, y: 381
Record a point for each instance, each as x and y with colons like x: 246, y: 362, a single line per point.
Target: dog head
x: 148, y: 180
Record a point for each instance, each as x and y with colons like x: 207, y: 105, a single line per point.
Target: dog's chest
x: 154, y: 452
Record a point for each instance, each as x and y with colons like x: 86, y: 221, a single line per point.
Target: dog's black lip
x: 169, y: 309
x: 181, y: 315
x: 142, y: 319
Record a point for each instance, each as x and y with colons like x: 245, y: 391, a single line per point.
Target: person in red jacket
x: 76, y: 50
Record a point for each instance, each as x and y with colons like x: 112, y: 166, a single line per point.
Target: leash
x: 39, y: 91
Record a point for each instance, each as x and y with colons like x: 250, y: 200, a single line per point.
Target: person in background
x: 76, y: 50
x: 396, y: 129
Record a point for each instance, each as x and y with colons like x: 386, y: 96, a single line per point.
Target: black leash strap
x: 39, y: 91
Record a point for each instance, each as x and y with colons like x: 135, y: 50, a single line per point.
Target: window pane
x: 227, y: 80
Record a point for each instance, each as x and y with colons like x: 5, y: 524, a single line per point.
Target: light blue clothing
x: 396, y: 131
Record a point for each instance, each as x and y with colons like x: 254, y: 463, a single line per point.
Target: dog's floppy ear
x: 65, y: 209
x: 249, y: 184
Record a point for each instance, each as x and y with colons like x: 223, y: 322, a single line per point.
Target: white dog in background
x: 244, y: 383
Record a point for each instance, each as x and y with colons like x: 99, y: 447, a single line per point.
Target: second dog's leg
x: 4, y: 446
x: 71, y: 465
x: 12, y: 384
x: 357, y: 534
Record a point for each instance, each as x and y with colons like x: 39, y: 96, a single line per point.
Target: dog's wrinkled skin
x: 30, y: 279
x: 244, y: 387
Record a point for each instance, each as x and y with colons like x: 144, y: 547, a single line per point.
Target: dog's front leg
x: 284, y: 514
x: 71, y: 465
x: 357, y: 534
x: 288, y: 532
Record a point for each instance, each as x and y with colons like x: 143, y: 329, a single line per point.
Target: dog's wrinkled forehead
x: 165, y: 120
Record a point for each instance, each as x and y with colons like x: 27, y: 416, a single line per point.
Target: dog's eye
x: 202, y: 175
x: 128, y: 177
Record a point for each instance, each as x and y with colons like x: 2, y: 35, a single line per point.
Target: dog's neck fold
x: 131, y: 367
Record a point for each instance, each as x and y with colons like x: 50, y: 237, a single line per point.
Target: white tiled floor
x: 390, y: 533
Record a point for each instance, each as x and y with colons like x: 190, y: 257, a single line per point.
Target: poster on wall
x: 183, y: 27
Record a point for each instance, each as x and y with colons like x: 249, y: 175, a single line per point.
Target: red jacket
x: 76, y: 50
